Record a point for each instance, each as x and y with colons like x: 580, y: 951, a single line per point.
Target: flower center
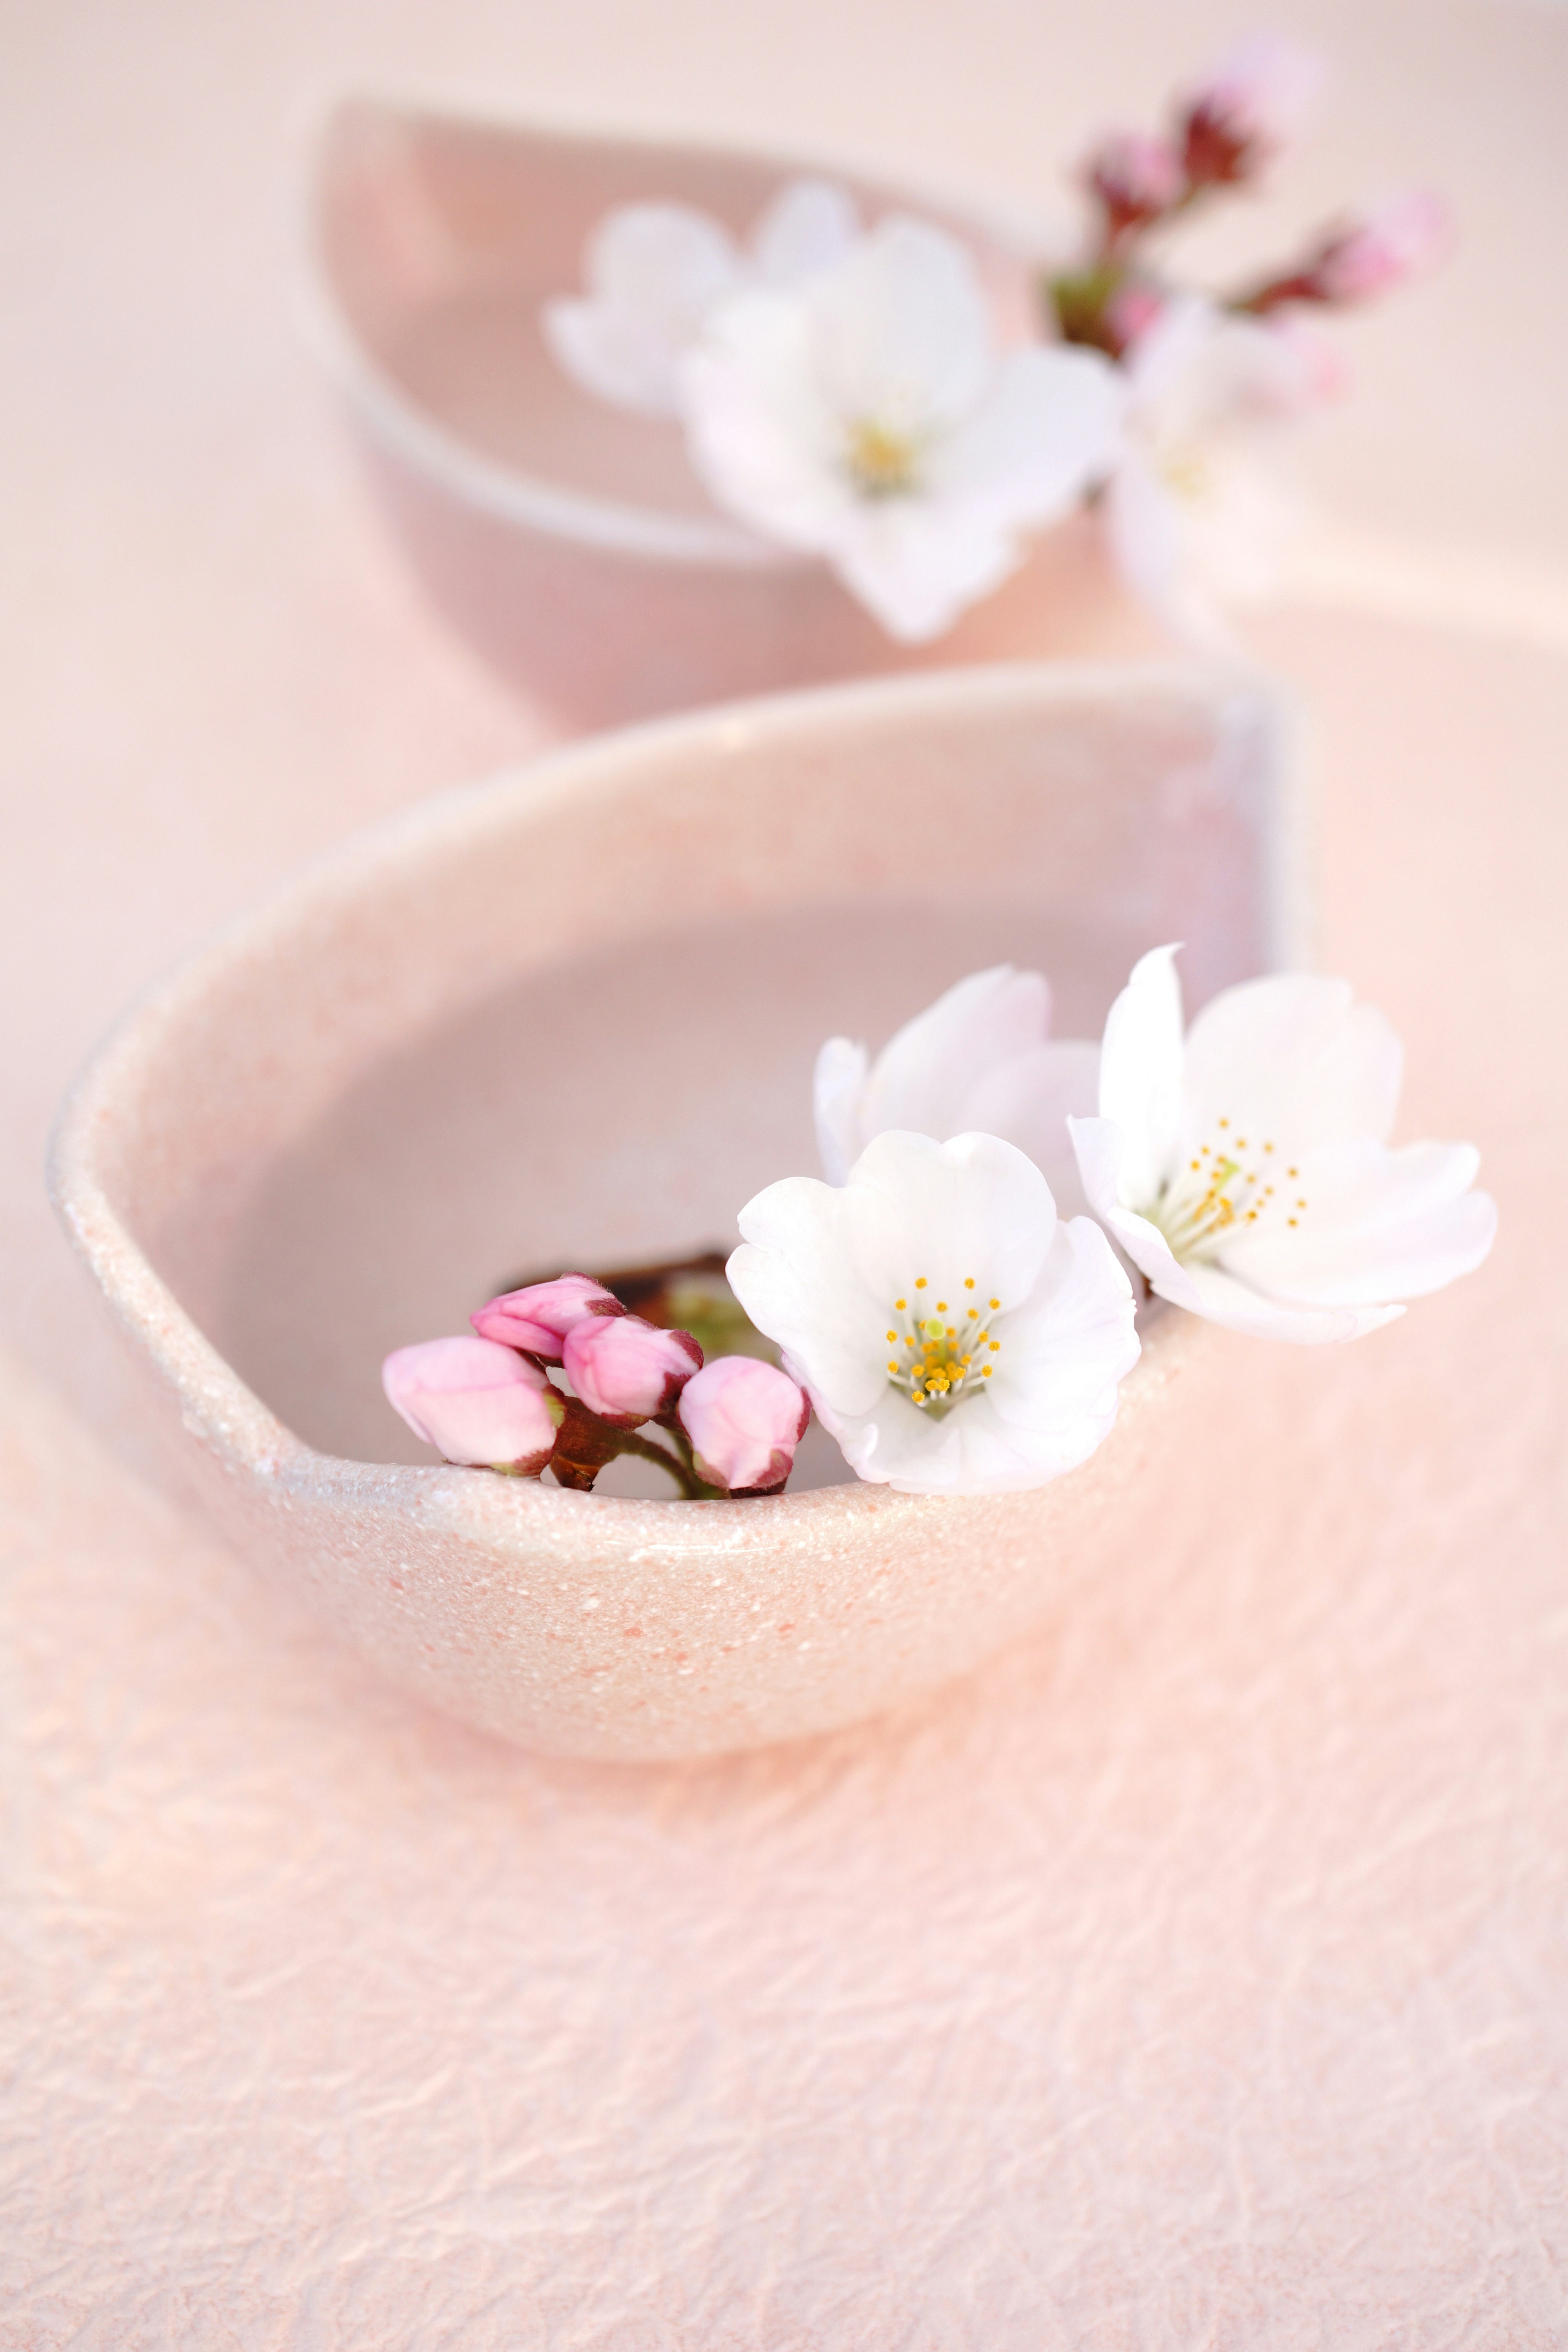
x: 940, y: 1352
x: 883, y: 461
x: 1217, y: 1197
x: 1188, y: 474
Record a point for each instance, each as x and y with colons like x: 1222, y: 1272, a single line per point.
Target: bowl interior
x: 440, y: 237
x: 569, y: 1019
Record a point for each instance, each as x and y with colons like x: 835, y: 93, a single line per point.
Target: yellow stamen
x: 882, y: 461
x: 937, y: 1357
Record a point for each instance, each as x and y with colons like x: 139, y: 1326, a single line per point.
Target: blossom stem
x: 1296, y: 286
x: 586, y: 1443
x: 691, y: 1487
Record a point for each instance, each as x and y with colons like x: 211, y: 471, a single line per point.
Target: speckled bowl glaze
x: 570, y: 541
x: 568, y: 1018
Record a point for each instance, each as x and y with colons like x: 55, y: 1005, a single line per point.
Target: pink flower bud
x: 1131, y: 313
x: 627, y: 1370
x: 476, y: 1402
x: 744, y: 1418
x: 539, y: 1318
x: 1137, y: 178
x: 1398, y: 239
x: 1252, y: 101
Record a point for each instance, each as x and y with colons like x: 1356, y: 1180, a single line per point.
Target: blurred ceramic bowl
x: 570, y: 541
x: 568, y: 1018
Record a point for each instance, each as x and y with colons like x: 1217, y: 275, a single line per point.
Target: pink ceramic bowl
x: 568, y: 540
x: 568, y: 1018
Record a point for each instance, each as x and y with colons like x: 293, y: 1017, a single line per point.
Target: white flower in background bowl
x: 1246, y: 1171
x: 981, y: 1060
x: 952, y: 1333
x: 869, y: 417
x: 1197, y: 513
x: 655, y: 273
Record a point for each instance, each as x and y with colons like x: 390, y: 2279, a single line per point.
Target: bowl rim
x: 219, y: 1409
x: 504, y: 493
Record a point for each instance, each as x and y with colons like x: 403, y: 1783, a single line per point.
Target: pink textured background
x: 1194, y: 1978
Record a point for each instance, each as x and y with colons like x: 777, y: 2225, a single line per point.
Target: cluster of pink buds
x: 731, y: 1425
x: 1223, y: 136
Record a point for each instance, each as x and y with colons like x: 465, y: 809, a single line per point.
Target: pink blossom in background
x: 1252, y: 101
x: 1317, y: 370
x: 1136, y: 177
x: 627, y: 1370
x: 476, y: 1402
x: 1131, y: 313
x: 744, y: 1418
x: 1396, y: 239
x: 538, y: 1318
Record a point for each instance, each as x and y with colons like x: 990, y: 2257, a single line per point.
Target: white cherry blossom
x: 869, y: 417
x: 656, y: 272
x: 1198, y: 512
x: 952, y: 1333
x: 980, y: 1060
x: 1246, y: 1170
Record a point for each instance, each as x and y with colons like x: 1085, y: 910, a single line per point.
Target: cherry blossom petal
x: 1100, y: 1148
x: 1292, y: 1058
x: 1143, y: 526
x: 1195, y: 517
x: 1049, y: 426
x: 924, y: 1075
x: 1165, y: 368
x: 655, y: 272
x: 1203, y: 1290
x: 744, y: 1418
x: 627, y: 1371
x: 916, y: 564
x: 538, y: 1318
x: 838, y: 1103
x: 478, y: 1403
x: 1075, y: 1339
x: 1141, y: 1072
x: 971, y: 1205
x: 901, y: 328
x: 1029, y: 1100
x: 796, y: 1276
x: 1218, y: 1297
x: 759, y: 428
x: 979, y: 1060
x: 1380, y: 1224
x: 809, y: 227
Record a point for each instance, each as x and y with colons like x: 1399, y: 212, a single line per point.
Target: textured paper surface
x: 1193, y: 1978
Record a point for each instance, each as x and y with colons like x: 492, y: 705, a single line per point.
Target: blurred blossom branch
x: 846, y: 390
x: 1222, y: 137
